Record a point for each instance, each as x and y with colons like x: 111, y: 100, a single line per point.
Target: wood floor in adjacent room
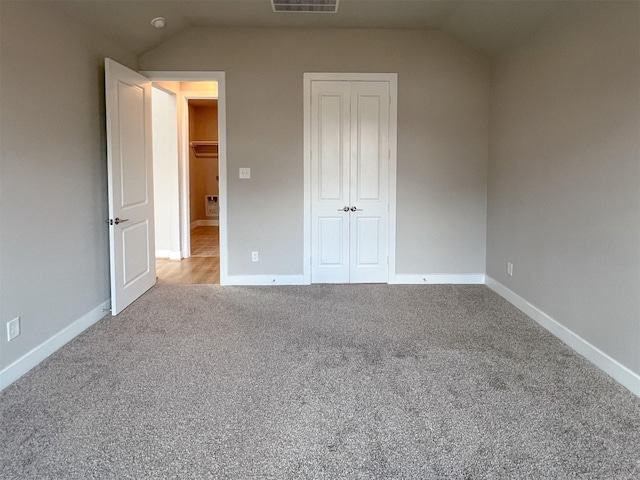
x: 202, y: 267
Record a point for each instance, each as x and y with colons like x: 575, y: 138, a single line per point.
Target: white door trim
x: 200, y: 76
x: 392, y: 78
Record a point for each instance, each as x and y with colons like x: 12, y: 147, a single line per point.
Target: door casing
x: 392, y: 79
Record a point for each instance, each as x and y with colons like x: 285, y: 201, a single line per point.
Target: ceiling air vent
x: 305, y: 6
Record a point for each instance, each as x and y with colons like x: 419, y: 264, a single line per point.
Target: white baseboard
x: 13, y: 372
x: 465, y: 278
x: 475, y: 279
x: 612, y: 367
x: 263, y: 280
x: 205, y: 223
x: 170, y: 254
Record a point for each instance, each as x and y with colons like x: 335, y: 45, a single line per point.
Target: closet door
x: 369, y: 185
x: 330, y: 182
x: 349, y: 181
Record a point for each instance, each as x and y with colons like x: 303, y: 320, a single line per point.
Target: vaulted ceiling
x: 488, y: 26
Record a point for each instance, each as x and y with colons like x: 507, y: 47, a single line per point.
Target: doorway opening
x: 203, y: 263
x: 204, y: 192
x: 189, y: 189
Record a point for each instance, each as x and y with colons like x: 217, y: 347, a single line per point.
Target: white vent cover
x: 305, y: 6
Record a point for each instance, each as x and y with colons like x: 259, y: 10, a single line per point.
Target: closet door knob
x: 354, y: 209
x: 344, y: 209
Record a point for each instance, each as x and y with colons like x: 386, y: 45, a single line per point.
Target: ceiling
x: 488, y: 26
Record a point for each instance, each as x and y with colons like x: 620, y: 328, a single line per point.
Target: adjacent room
x: 185, y: 146
x: 495, y: 331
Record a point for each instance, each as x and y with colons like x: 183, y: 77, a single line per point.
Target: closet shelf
x: 204, y: 148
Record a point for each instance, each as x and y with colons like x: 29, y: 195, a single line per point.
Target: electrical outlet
x: 245, y: 173
x: 13, y: 328
x: 254, y: 256
x: 510, y: 269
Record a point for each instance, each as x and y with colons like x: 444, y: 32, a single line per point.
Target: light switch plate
x: 245, y: 172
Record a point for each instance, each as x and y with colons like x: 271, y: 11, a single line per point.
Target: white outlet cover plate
x: 245, y: 172
x: 13, y: 328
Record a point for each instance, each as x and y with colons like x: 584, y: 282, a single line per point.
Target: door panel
x: 330, y: 242
x: 367, y: 147
x: 135, y: 239
x: 130, y: 183
x: 330, y: 134
x: 368, y: 249
x: 367, y: 242
x: 370, y: 181
x: 332, y: 263
x: 331, y: 161
x: 131, y: 157
x: 349, y: 168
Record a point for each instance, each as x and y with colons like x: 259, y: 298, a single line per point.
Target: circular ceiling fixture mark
x: 158, y: 22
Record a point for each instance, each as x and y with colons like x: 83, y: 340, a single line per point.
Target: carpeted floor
x: 327, y: 382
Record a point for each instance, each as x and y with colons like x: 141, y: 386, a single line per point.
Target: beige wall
x: 54, y: 260
x: 564, y: 175
x: 442, y: 137
x: 203, y: 171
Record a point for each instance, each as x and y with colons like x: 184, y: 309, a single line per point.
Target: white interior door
x: 349, y: 181
x: 330, y: 164
x: 130, y: 180
x: 369, y: 189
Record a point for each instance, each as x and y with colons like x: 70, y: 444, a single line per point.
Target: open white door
x: 130, y: 179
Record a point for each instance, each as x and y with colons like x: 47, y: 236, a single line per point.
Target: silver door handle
x: 344, y: 209
x: 354, y: 209
x: 119, y: 220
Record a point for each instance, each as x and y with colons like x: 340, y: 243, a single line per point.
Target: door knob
x: 354, y: 209
x: 344, y: 209
x: 118, y: 220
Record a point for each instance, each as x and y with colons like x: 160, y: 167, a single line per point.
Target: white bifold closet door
x: 349, y: 181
